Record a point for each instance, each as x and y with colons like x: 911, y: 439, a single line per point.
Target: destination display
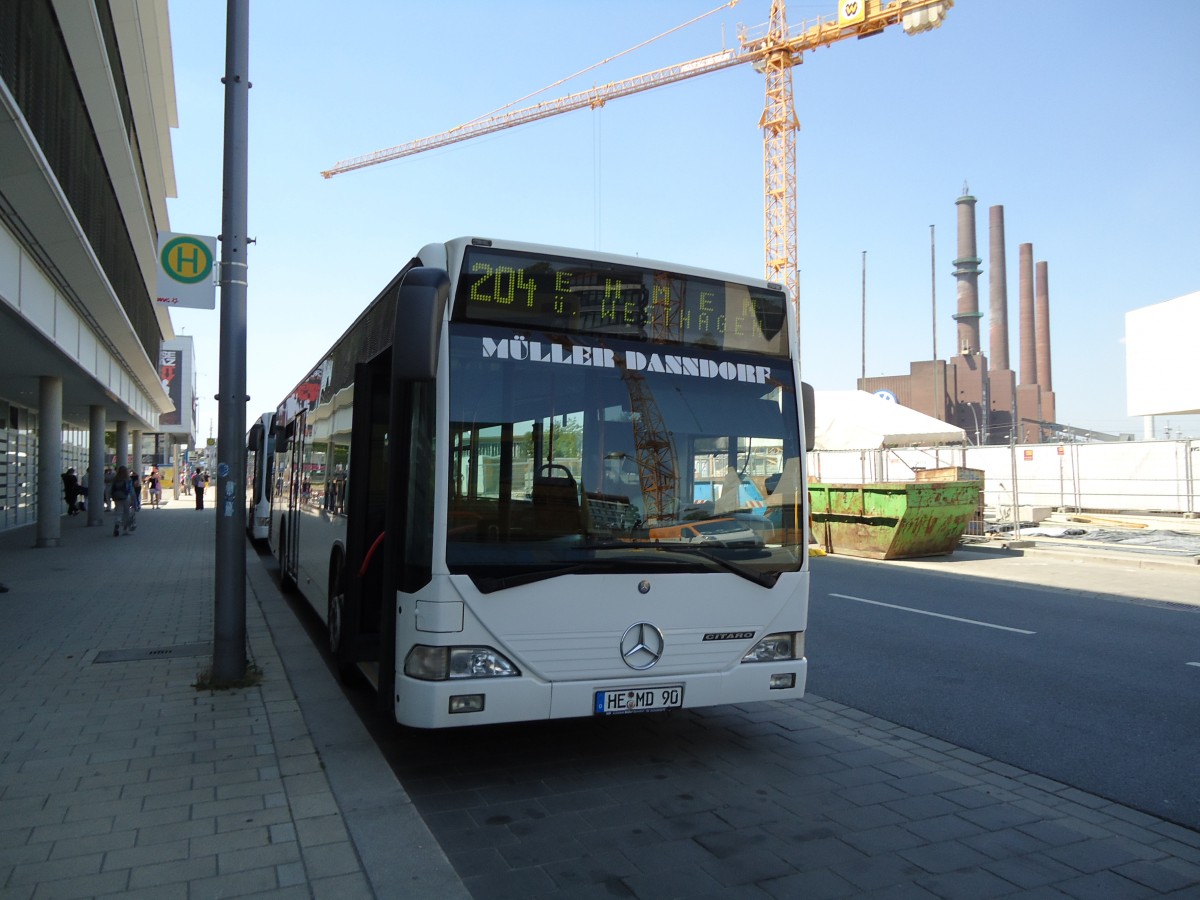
x: 555, y: 293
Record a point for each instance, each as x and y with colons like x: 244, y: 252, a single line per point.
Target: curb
x: 398, y: 852
x: 1104, y: 554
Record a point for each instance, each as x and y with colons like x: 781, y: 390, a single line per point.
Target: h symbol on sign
x: 187, y: 256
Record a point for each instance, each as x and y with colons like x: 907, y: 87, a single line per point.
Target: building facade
x: 86, y: 107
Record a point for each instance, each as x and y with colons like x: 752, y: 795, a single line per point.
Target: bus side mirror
x: 808, y: 398
x: 420, y: 307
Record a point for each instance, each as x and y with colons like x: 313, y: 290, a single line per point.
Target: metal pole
x: 1188, y: 474
x: 933, y: 292
x: 1012, y: 452
x: 861, y: 385
x: 229, y: 619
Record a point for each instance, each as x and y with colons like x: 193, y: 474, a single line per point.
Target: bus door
x: 255, y: 460
x: 289, y: 532
x: 390, y: 518
x: 361, y: 582
x: 408, y: 562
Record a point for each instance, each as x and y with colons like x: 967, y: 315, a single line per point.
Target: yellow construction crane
x: 774, y: 51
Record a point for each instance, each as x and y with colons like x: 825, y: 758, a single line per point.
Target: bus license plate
x: 634, y: 700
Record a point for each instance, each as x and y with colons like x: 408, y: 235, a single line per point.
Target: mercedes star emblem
x: 642, y: 646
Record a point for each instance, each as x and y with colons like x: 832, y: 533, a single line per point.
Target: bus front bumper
x: 448, y: 704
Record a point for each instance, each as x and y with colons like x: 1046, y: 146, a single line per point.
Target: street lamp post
x: 229, y: 614
x: 978, y: 432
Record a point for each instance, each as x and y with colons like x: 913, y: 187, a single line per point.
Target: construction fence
x: 1128, y: 476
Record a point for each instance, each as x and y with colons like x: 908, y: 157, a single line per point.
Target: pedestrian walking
x: 123, y: 497
x: 71, y: 490
x: 109, y: 474
x: 198, y: 482
x: 135, y: 496
x: 154, y: 480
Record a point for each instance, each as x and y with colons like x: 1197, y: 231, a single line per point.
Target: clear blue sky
x: 1080, y: 117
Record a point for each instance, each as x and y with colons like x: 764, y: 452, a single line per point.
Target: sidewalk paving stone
x: 118, y: 778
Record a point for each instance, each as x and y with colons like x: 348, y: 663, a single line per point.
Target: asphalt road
x: 813, y: 798
x: 1094, y: 682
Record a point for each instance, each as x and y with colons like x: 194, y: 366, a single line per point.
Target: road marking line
x: 926, y: 612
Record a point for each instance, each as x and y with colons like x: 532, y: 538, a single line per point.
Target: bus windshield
x: 598, y: 453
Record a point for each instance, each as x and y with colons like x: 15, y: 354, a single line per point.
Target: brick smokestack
x: 966, y: 270
x: 1028, y: 339
x: 997, y: 290
x: 1043, y: 328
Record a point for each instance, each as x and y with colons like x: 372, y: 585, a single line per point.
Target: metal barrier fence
x: 1127, y: 476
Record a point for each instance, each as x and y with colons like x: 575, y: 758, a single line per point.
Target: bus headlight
x: 446, y: 663
x: 777, y: 647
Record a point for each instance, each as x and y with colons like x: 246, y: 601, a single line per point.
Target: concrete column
x: 135, y: 452
x: 122, y: 448
x: 49, y: 474
x: 95, y: 500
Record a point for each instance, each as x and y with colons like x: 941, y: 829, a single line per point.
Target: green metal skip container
x: 893, y: 520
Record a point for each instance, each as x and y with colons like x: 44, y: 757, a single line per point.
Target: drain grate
x: 176, y: 651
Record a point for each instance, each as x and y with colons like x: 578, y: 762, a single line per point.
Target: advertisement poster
x: 170, y: 371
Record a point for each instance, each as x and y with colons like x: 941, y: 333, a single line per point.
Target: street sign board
x: 186, y: 267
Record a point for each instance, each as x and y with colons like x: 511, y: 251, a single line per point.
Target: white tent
x: 856, y: 420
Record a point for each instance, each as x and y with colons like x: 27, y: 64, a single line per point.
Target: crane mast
x: 779, y: 125
x: 655, y: 451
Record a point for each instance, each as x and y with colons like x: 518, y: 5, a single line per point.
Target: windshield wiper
x: 490, y: 584
x: 762, y: 579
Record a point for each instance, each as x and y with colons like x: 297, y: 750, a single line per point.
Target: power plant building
x: 987, y: 401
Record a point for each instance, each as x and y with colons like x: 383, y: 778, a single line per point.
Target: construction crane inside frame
x: 772, y: 49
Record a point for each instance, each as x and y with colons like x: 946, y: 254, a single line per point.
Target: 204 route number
x: 633, y: 700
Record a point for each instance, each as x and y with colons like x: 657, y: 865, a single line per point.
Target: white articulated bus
x: 531, y: 482
x: 260, y: 477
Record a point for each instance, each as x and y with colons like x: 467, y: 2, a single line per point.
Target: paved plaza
x: 119, y: 778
